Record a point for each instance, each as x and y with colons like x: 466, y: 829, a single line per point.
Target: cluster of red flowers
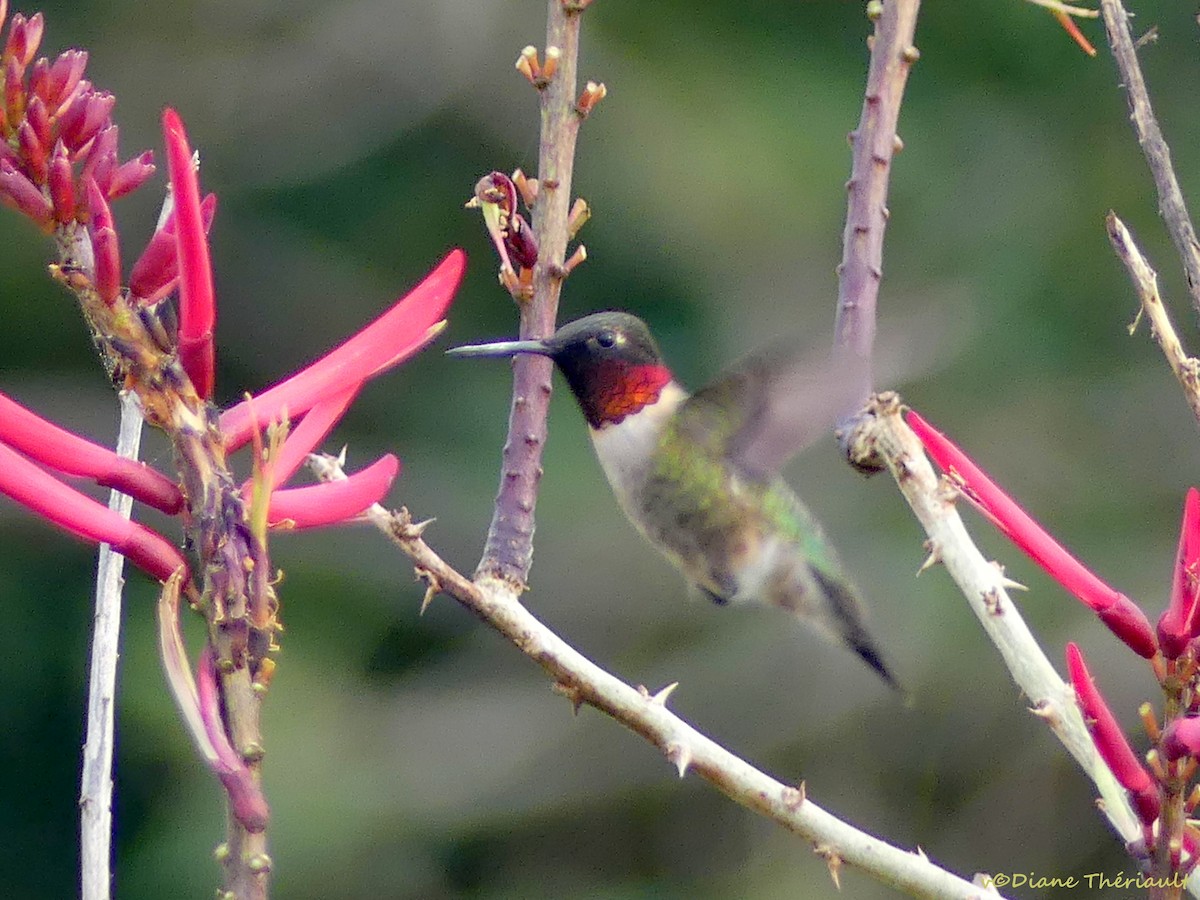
x: 1171, y: 647
x: 59, y: 166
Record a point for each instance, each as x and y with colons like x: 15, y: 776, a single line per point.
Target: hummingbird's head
x: 610, y: 361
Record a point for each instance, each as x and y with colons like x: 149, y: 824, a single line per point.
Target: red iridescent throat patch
x: 619, y: 390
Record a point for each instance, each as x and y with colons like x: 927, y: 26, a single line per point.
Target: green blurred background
x: 424, y: 757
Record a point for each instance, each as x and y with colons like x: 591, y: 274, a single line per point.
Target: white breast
x: 623, y: 448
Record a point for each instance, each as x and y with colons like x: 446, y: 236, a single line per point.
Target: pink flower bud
x: 1110, y: 740
x: 131, y: 175
x: 85, y: 117
x: 23, y: 195
x: 61, y: 181
x: 65, y: 75
x: 155, y: 273
x: 99, y: 212
x: 37, y: 160
x: 1117, y: 611
x: 107, y: 253
x: 14, y: 91
x: 39, y: 78
x: 24, y: 38
x: 39, y: 120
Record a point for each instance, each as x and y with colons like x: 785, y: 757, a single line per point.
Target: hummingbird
x: 698, y: 475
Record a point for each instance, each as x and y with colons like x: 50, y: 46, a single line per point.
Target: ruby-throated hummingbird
x: 699, y: 475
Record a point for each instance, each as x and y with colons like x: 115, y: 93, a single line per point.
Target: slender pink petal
x: 39, y: 77
x: 37, y: 159
x: 156, y: 272
x: 1178, y: 624
x: 100, y: 157
x: 131, y: 175
x: 107, y: 253
x: 246, y: 799
x: 14, y: 90
x: 38, y: 118
x: 1110, y: 740
x: 98, y: 209
x: 25, y: 36
x: 303, y: 438
x: 67, y: 452
x: 1118, y: 612
x: 393, y: 337
x: 197, y: 302
x: 23, y: 195
x: 41, y: 492
x: 61, y: 181
x: 85, y: 118
x: 333, y: 501
x: 65, y: 74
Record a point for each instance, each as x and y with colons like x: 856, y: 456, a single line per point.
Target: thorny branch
x: 882, y: 437
x: 1171, y: 205
x: 508, y: 552
x: 874, y: 142
x: 646, y: 714
x: 1145, y: 281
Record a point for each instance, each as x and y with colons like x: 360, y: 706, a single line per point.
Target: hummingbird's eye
x: 607, y: 339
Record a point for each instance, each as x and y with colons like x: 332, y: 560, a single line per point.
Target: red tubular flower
x: 41, y: 492
x: 393, y: 337
x: 1179, y: 622
x: 197, y: 302
x: 156, y: 272
x: 1120, y: 614
x: 1110, y: 740
x: 313, y: 428
x: 69, y: 453
x: 334, y: 501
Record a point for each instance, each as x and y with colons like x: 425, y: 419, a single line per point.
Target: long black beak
x: 500, y: 348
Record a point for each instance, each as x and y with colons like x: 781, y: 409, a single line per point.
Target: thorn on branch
x: 934, y: 557
x: 571, y: 692
x: 660, y: 697
x: 833, y: 860
x: 433, y: 587
x: 1046, y: 711
x: 680, y: 755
